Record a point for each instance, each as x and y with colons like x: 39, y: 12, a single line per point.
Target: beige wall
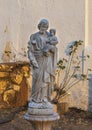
x: 89, y: 22
x: 19, y: 19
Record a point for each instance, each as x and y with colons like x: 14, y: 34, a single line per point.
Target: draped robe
x: 43, y: 68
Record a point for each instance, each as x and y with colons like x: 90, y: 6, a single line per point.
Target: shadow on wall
x: 90, y: 94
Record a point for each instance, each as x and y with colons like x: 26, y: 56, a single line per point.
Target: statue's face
x: 43, y: 29
x: 52, y: 33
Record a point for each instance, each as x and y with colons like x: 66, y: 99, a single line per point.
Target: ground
x: 74, y: 119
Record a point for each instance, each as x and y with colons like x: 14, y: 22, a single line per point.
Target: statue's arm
x: 54, y: 41
x: 31, y: 55
x: 32, y: 59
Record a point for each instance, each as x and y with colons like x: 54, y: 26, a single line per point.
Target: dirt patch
x: 74, y: 119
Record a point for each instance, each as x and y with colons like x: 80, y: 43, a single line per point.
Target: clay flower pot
x: 62, y: 107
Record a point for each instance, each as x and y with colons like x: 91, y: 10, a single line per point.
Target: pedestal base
x: 42, y: 122
x: 40, y: 112
x: 42, y: 125
x: 41, y: 115
x: 52, y: 117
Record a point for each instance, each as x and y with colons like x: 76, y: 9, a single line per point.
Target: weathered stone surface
x: 52, y: 117
x: 3, y: 85
x: 22, y: 98
x: 4, y: 67
x: 1, y: 99
x: 9, y: 97
x: 40, y: 112
x: 26, y: 70
x: 14, y: 88
x: 16, y: 77
x: 4, y: 74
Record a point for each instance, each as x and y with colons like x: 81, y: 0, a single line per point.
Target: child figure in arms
x: 51, y: 42
x: 50, y: 50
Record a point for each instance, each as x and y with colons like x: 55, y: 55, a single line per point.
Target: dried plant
x: 71, y: 69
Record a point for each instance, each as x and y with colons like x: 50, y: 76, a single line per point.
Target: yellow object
x: 25, y: 68
x: 16, y: 77
x: 13, y: 81
x: 4, y: 74
x: 3, y: 85
x: 16, y: 88
x: 9, y: 96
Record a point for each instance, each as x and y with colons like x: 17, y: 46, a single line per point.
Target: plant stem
x: 73, y: 84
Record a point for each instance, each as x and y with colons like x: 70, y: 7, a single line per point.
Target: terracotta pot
x: 62, y: 107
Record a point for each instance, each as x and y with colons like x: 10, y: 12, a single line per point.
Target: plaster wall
x: 89, y: 22
x: 19, y: 19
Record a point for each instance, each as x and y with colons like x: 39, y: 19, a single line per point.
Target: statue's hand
x: 33, y: 42
x: 47, y: 53
x: 47, y: 41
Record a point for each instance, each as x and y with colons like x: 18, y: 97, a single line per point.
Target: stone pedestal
x: 43, y: 125
x: 42, y: 122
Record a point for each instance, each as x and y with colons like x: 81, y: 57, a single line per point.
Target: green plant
x: 71, y: 69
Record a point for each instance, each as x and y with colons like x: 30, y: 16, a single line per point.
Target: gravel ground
x: 74, y: 119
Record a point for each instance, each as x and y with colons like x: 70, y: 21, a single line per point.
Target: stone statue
x: 42, y: 53
x: 52, y: 41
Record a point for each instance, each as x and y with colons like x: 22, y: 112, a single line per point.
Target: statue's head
x: 43, y: 25
x: 52, y: 32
